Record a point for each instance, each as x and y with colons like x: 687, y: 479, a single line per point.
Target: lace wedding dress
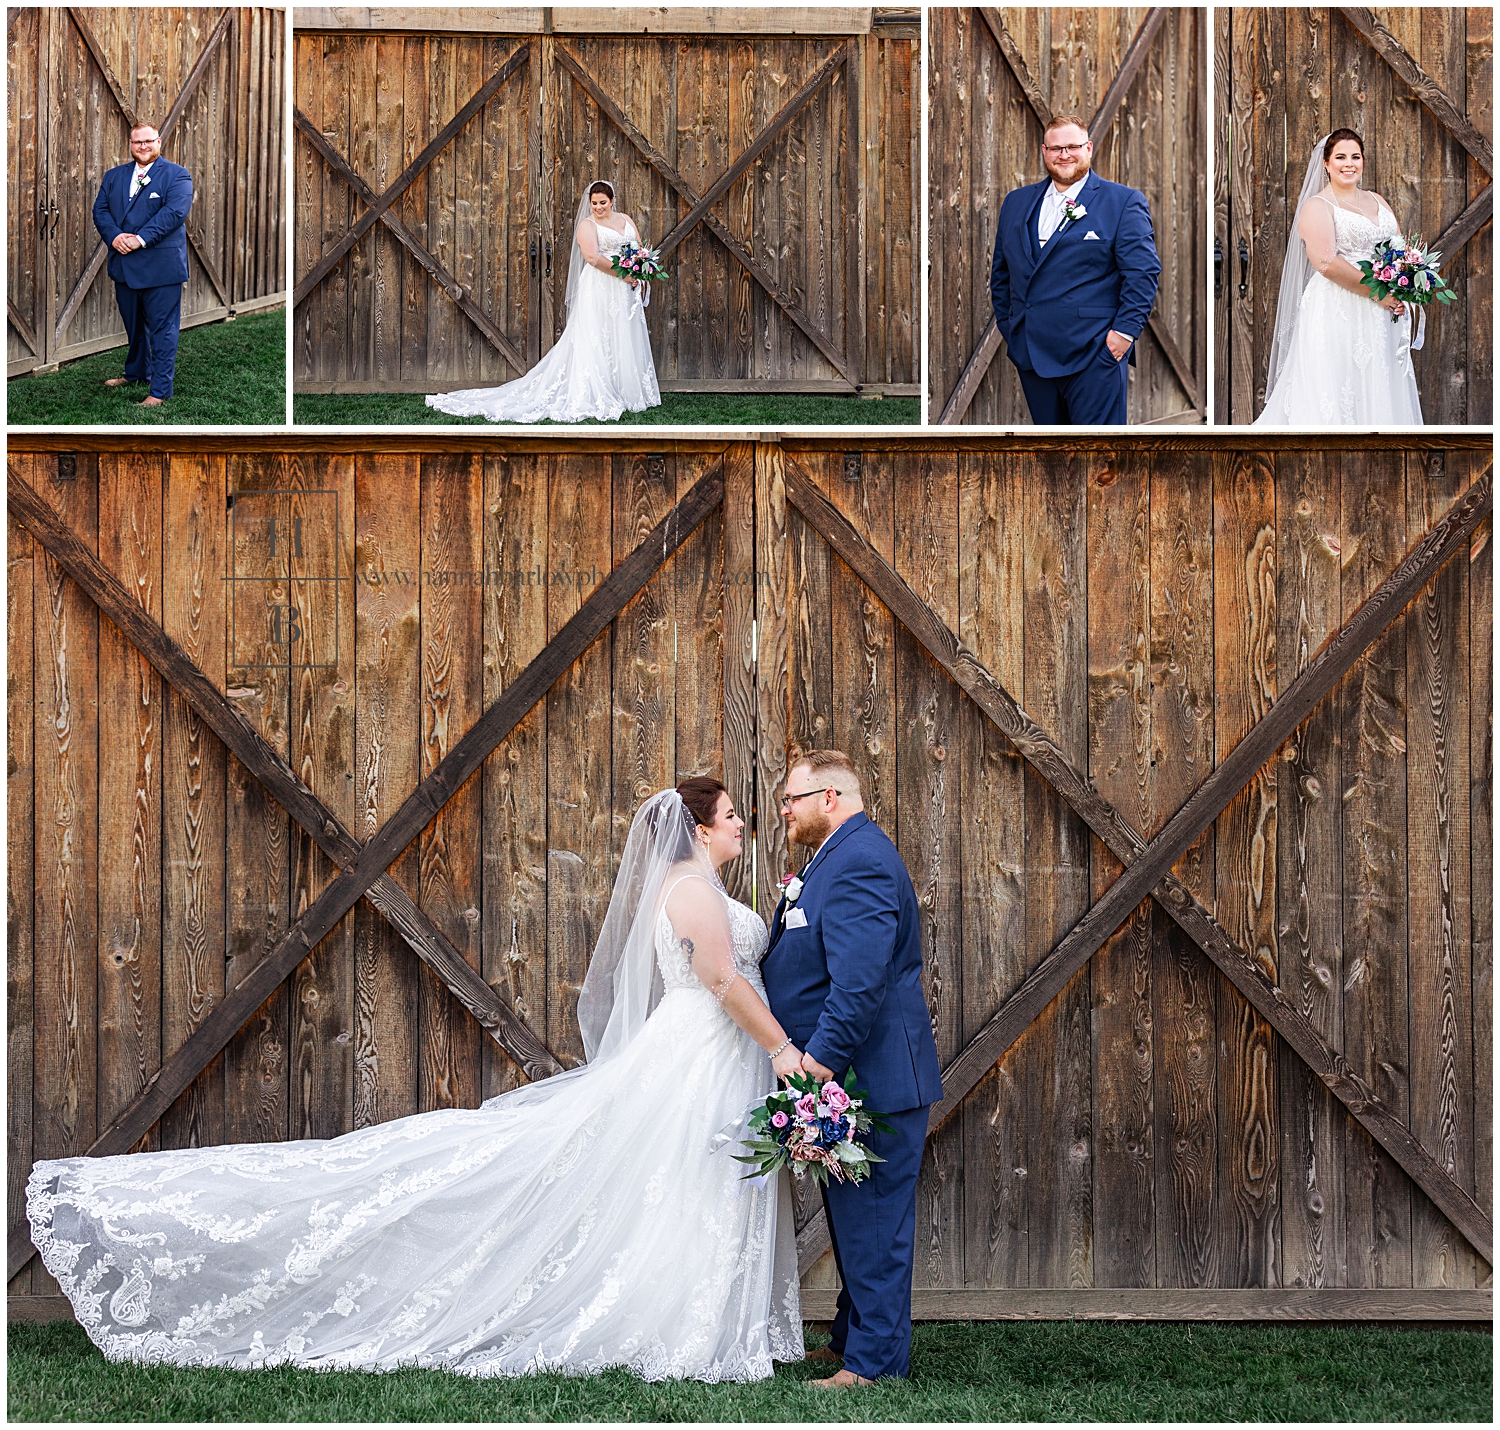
x: 1348, y: 363
x: 577, y: 1223
x: 600, y: 367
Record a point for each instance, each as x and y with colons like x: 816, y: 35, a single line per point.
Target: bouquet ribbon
x: 1416, y: 317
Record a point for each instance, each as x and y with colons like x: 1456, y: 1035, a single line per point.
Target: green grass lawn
x: 227, y: 374
x: 678, y: 409
x: 960, y: 1371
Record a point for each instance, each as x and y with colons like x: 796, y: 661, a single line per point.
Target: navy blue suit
x: 847, y: 988
x: 148, y: 281
x: 1054, y: 305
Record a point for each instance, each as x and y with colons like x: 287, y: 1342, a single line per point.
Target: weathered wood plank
x: 1120, y: 746
x: 1482, y: 858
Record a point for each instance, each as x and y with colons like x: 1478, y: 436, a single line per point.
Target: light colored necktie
x: 136, y: 183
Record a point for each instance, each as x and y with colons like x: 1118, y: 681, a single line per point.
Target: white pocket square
x: 1090, y: 234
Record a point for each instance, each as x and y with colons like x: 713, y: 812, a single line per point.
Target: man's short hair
x: 833, y: 765
x: 144, y: 124
x: 1061, y: 121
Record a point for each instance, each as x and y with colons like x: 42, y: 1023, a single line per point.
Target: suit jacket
x: 157, y: 215
x: 1054, y: 305
x: 848, y: 987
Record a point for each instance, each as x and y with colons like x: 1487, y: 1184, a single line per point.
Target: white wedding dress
x: 1348, y: 364
x: 600, y: 367
x: 570, y: 1225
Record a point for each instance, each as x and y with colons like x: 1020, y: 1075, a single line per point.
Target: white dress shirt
x: 1050, y: 214
x: 137, y: 178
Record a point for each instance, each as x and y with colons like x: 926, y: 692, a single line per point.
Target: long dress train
x: 570, y: 1225
x: 600, y: 367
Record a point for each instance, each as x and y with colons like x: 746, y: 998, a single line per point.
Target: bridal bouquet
x: 1403, y: 267
x: 642, y: 264
x: 813, y: 1128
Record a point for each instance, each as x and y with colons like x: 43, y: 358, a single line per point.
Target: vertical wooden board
x: 691, y: 162
x: 194, y: 597
x: 694, y: 588
x: 809, y: 643
x: 950, y: 30
x: 929, y: 815
x: 364, y: 81
x: 739, y: 718
x: 1055, y: 1052
x: 739, y: 206
x: 23, y: 195
x: 387, y: 737
x: 1246, y: 384
x: 130, y: 796
x: 772, y: 672
x: 415, y: 134
x: 322, y: 677
x: 1373, y: 743
x: 388, y: 123
x: 1245, y: 858
x: 644, y: 715
x: 1478, y: 296
x: 716, y: 158
x: 308, y: 240
x: 22, y: 561
x: 1223, y: 136
x: 1309, y: 59
x: 1267, y: 142
x: 1440, y: 1013
x: 1309, y: 859
x: 339, y: 63
x: 1184, y: 984
x: 863, y: 721
x: 443, y: 102
x: 256, y: 829
x: 1481, y: 856
x: 992, y: 851
x: 514, y: 777
x: 1400, y: 158
x: 578, y: 744
x: 448, y: 874
x: 65, y: 927
x: 1119, y: 765
x: 468, y: 202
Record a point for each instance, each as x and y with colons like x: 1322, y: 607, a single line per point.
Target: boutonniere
x: 791, y: 887
x: 1073, y: 212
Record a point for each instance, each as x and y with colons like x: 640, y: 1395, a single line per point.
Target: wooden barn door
x: 211, y: 82
x: 740, y: 159
x: 418, y: 247
x: 30, y: 213
x: 1416, y: 83
x: 997, y: 76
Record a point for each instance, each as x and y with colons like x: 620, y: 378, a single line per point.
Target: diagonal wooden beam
x: 1430, y: 94
x: 20, y: 324
x: 127, y: 109
x: 762, y: 141
x: 351, y: 884
x: 737, y: 250
x: 1452, y: 239
x: 435, y: 270
x: 371, y: 216
x: 988, y: 347
x: 1148, y: 865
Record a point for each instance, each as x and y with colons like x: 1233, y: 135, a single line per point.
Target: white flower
x: 793, y: 889
x: 1074, y: 211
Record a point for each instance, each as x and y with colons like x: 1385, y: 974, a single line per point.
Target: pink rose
x: 807, y: 1106
x: 1403, y: 282
x: 834, y: 1097
x: 780, y: 1119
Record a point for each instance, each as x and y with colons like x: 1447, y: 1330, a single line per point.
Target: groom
x: 843, y: 974
x: 141, y: 213
x: 1072, y: 283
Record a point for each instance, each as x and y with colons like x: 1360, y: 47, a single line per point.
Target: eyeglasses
x: 788, y: 800
x: 1061, y: 151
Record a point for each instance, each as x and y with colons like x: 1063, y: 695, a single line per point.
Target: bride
x: 576, y: 1223
x: 1337, y: 359
x: 601, y: 366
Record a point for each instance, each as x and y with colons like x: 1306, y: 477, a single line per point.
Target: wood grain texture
x: 739, y: 664
x: 1481, y: 857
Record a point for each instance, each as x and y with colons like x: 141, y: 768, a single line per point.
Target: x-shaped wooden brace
x: 1148, y: 865
x: 189, y: 88
x: 378, y: 208
x: 989, y: 341
x: 699, y: 207
x: 362, y: 868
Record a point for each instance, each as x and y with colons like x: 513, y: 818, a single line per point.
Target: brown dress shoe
x: 841, y: 1380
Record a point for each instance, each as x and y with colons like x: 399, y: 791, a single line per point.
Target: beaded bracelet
x: 777, y: 1052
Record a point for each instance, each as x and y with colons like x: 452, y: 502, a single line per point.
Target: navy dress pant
x: 152, y: 319
x: 1094, y: 397
x: 873, y: 1228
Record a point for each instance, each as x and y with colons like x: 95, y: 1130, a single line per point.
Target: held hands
x: 126, y: 243
x: 813, y: 1068
x: 786, y: 1062
x: 1117, y: 343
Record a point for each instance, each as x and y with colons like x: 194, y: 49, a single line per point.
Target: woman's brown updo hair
x: 700, y: 793
x: 1334, y: 138
x: 600, y: 187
